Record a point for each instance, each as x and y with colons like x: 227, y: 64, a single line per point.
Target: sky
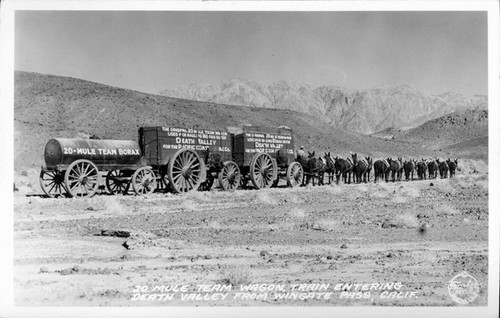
x: 146, y: 51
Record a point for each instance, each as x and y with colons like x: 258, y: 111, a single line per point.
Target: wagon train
x: 178, y: 159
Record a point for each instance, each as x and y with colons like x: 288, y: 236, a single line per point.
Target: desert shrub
x: 399, y: 199
x: 406, y: 220
x: 264, y: 197
x: 362, y: 188
x: 281, y: 226
x: 324, y: 225
x: 411, y: 192
x: 214, y: 225
x: 294, y: 198
x: 107, y: 204
x: 445, y: 186
x: 381, y: 192
x: 445, y: 209
x: 199, y: 196
x: 188, y: 204
x: 482, y: 182
x: 335, y: 189
x: 239, y: 275
x: 297, y: 213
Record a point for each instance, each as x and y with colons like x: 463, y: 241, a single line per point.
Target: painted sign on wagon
x: 267, y: 142
x: 196, y: 139
x: 278, y: 142
x: 160, y: 143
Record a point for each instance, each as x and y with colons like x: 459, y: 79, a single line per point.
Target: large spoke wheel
x: 52, y: 183
x: 263, y: 171
x: 294, y: 174
x: 186, y: 171
x: 81, y: 178
x: 117, y: 181
x: 144, y: 181
x: 230, y: 176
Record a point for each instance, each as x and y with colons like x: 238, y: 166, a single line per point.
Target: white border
x: 8, y: 9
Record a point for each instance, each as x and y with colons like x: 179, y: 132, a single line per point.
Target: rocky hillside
x: 455, y: 128
x: 47, y: 106
x: 365, y: 111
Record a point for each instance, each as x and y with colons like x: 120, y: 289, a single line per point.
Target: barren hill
x: 48, y: 106
x: 454, y: 128
x: 364, y: 111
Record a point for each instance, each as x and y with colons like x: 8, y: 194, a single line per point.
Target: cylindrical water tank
x: 101, y: 152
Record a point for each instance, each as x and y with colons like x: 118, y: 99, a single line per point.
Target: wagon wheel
x: 52, y: 183
x: 144, y: 181
x: 81, y: 178
x: 186, y: 171
x: 230, y: 176
x: 294, y: 174
x: 263, y: 170
x: 207, y: 185
x: 117, y: 181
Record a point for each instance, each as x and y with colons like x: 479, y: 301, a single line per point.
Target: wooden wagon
x: 265, y: 155
x: 186, y: 159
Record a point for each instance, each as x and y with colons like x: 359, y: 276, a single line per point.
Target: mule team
x: 360, y: 168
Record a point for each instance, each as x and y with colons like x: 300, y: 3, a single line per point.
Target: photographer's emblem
x: 463, y: 288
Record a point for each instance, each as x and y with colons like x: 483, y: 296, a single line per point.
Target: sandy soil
x: 309, y: 241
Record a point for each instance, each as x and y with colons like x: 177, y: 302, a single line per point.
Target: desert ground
x: 400, y: 243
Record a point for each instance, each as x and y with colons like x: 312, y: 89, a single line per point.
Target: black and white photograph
x: 223, y: 158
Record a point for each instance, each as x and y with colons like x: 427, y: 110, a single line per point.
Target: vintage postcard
x: 219, y: 158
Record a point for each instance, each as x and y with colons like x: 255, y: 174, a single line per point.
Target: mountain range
x: 363, y: 111
x: 48, y: 106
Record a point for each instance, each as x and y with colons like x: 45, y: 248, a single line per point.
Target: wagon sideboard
x: 277, y: 142
x: 158, y: 144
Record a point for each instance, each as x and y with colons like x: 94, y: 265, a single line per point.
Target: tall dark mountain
x: 365, y: 111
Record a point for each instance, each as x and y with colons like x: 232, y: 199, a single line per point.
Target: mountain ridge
x: 49, y: 106
x: 363, y: 111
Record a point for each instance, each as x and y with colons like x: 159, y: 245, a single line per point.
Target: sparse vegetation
x: 446, y: 209
x: 237, y: 275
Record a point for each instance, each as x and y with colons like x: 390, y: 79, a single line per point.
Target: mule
x: 355, y: 161
x: 452, y: 165
x: 394, y: 168
x: 330, y: 167
x: 443, y: 168
x: 409, y: 168
x: 315, y: 168
x: 360, y: 168
x: 422, y: 169
x: 343, y: 167
x: 433, y: 169
x: 368, y: 169
x: 381, y: 168
x: 401, y: 168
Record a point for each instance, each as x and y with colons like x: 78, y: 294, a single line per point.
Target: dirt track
x: 408, y: 232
